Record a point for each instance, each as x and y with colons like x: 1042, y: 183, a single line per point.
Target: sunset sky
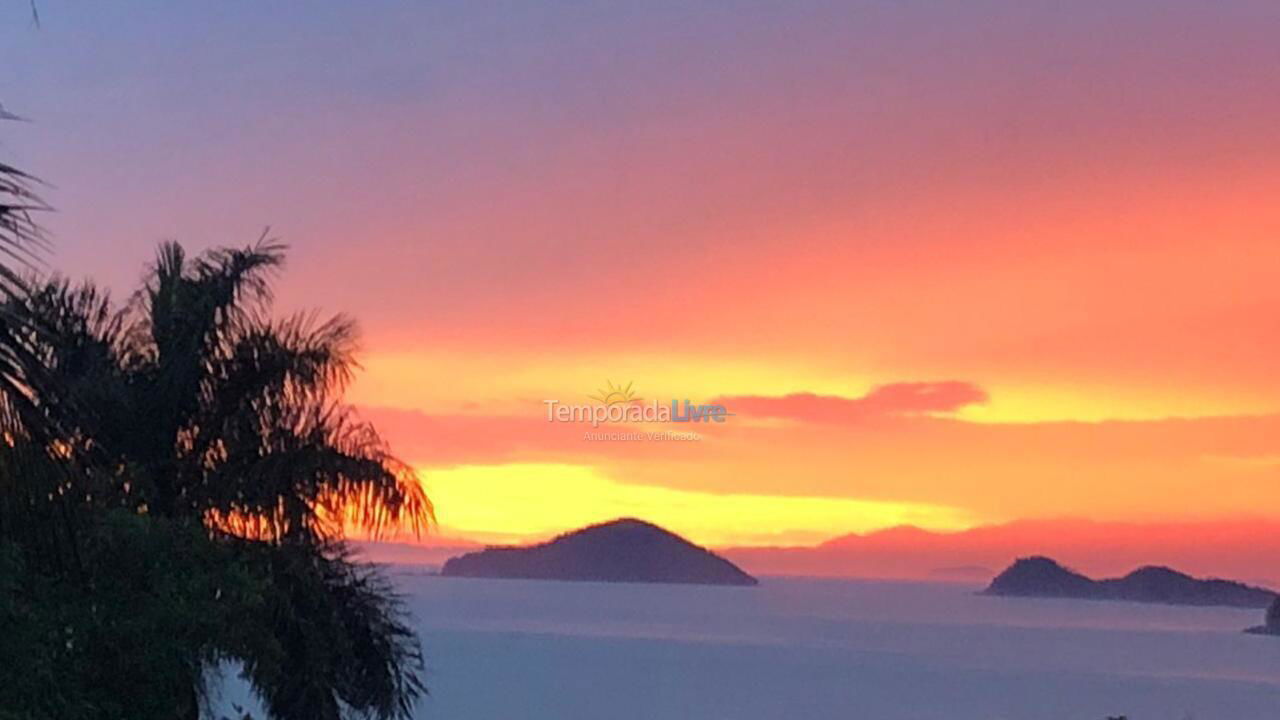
x: 947, y: 264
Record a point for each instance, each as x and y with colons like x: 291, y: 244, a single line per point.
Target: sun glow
x: 533, y: 500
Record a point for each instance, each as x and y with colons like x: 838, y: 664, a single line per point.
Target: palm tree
x: 34, y: 507
x: 235, y: 418
x: 193, y: 407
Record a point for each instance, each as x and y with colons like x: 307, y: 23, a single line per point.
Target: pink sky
x: 950, y: 265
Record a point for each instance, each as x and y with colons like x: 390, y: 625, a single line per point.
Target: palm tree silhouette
x: 194, y: 408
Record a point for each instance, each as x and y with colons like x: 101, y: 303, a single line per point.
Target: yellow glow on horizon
x: 519, y: 502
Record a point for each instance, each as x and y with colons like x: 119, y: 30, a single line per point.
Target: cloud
x: 908, y: 398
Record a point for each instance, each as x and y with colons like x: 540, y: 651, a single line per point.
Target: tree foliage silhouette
x: 192, y: 446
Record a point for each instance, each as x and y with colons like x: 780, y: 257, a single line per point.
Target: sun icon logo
x: 615, y: 394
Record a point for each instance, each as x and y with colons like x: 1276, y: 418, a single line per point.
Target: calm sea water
x: 797, y: 649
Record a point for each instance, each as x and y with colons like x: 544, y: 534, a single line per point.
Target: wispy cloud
x: 907, y: 398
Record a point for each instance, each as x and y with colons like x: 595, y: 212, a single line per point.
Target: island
x: 624, y: 550
x: 1044, y: 577
x: 1271, y: 626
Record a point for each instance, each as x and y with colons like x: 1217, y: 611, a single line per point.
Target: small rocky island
x: 1043, y: 577
x: 625, y: 550
x: 1272, y: 624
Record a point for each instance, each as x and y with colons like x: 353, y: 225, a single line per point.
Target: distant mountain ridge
x: 1242, y: 548
x: 1044, y: 577
x: 624, y: 550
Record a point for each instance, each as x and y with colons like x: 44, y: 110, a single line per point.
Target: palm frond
x: 309, y: 472
x: 296, y: 359
x: 343, y: 631
x: 21, y: 237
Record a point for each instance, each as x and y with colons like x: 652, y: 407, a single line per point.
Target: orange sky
x: 1064, y: 213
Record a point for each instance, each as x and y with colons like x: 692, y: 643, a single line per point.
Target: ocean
x: 811, y: 649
